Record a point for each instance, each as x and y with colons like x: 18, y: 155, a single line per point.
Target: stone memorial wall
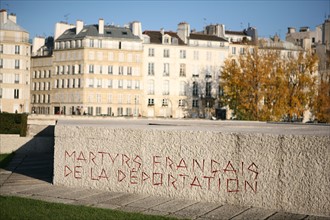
x: 274, y: 171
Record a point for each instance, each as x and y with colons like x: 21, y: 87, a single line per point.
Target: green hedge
x: 13, y: 124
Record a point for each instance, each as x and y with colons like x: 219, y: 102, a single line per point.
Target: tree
x: 263, y: 85
x: 301, y: 83
x: 322, y: 102
x: 249, y: 82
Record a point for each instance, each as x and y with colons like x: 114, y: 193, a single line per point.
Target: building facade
x: 14, y: 65
x: 181, y: 72
x: 95, y: 70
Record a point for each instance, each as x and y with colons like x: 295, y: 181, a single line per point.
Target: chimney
x: 220, y: 30
x: 101, y: 26
x: 291, y: 30
x: 136, y: 28
x: 184, y: 31
x: 60, y: 28
x: 12, y: 17
x: 3, y: 17
x: 79, y: 26
x: 38, y: 42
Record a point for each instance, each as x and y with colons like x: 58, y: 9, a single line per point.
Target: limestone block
x: 268, y: 170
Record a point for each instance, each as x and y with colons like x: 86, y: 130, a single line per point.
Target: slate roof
x: 156, y: 36
x: 92, y: 30
x: 235, y: 33
x: 11, y: 26
x: 194, y: 36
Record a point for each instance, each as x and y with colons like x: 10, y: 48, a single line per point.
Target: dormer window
x: 124, y: 32
x: 166, y: 40
x: 175, y: 41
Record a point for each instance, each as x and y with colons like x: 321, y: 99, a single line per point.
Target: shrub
x: 13, y: 123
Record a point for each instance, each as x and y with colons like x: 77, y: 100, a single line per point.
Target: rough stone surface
x: 225, y: 212
x: 280, y: 167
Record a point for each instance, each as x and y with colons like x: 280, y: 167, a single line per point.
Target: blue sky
x: 269, y: 17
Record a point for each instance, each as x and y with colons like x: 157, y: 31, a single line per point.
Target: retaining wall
x: 274, y: 171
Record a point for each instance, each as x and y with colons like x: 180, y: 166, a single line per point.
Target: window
x: 242, y: 50
x: 79, y: 68
x: 120, y: 84
x: 109, y: 111
x: 121, y: 70
x: 109, y: 98
x: 100, y: 43
x: 151, y: 87
x: 1, y: 63
x: 129, y: 70
x: 101, y: 67
x: 233, y: 50
x: 195, y: 89
x: 16, y: 78
x: 164, y: 102
x: 0, y: 93
x: 91, y: 68
x: 128, y: 111
x: 137, y: 84
x: 196, y: 55
x: 98, y: 98
x: 166, y: 87
x: 17, y: 49
x: 181, y: 103
x: 1, y: 48
x: 182, y: 69
x: 99, y: 83
x: 91, y: 83
x: 151, y: 102
x: 91, y: 43
x: 166, y: 40
x: 1, y: 77
x: 183, y: 54
x: 16, y: 93
x: 109, y: 83
x: 90, y: 110
x: 16, y: 64
x: 166, y: 69
x: 129, y: 84
x: 208, y: 89
x: 120, y: 111
x: 182, y: 88
x: 151, y: 69
x: 68, y: 70
x: 120, y: 99
x: 195, y: 103
x: 110, y: 70
x: 166, y: 53
x: 208, y: 56
x: 151, y: 52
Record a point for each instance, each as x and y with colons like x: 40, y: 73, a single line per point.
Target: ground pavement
x: 31, y: 176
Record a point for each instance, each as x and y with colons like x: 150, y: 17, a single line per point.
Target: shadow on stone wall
x: 35, y: 158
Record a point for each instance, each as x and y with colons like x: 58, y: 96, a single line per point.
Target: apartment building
x: 14, y: 65
x: 95, y: 70
x: 181, y: 72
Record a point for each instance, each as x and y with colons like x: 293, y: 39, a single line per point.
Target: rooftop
x: 92, y: 30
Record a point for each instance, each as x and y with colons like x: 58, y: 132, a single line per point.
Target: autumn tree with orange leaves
x: 263, y: 85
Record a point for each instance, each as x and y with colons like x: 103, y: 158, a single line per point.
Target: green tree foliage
x: 263, y: 85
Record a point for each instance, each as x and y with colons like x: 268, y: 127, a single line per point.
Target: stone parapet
x: 203, y: 162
